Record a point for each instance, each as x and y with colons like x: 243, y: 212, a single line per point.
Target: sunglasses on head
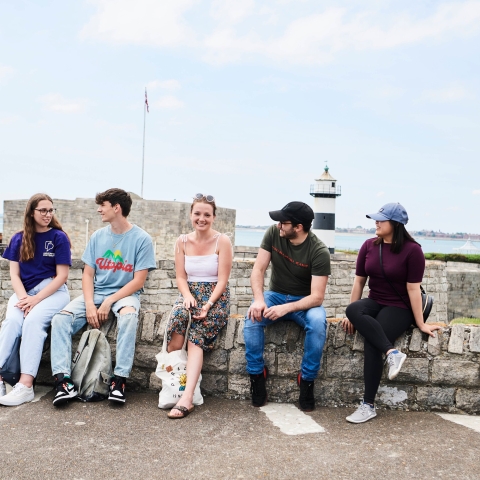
x: 201, y: 196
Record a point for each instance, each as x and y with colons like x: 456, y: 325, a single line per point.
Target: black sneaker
x: 258, y: 388
x: 117, y: 390
x: 306, y: 399
x: 65, y: 389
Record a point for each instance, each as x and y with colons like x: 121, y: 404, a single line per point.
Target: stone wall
x: 440, y: 374
x: 463, y: 290
x: 163, y: 220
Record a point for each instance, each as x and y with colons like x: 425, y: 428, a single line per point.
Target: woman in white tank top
x: 203, y: 261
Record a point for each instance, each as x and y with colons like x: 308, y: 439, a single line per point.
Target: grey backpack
x: 92, y: 367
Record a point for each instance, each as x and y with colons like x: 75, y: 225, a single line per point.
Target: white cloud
x: 5, y: 71
x: 476, y: 192
x: 143, y: 22
x: 169, y: 102
x: 55, y: 102
x: 8, y: 119
x: 445, y: 95
x: 315, y: 38
x: 164, y: 84
x: 231, y: 11
x: 380, y: 194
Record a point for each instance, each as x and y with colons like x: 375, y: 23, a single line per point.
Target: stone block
x: 215, y: 361
x: 342, y: 366
x: 400, y: 342
x: 145, y: 356
x: 468, y: 400
x: 154, y: 382
x: 474, y: 339
x: 335, y: 392
x: 435, y: 396
x: 455, y: 372
x: 414, y: 370
x: 239, y: 386
x: 394, y: 396
x: 240, y: 339
x: 289, y: 363
x: 434, y: 344
x: 230, y: 330
x: 339, y: 336
x: 455, y: 344
x: 276, y: 332
x: 358, y: 342
x: 416, y: 341
x: 148, y: 326
x: 214, y: 384
x: 282, y: 389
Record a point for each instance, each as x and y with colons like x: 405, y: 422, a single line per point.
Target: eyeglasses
x: 44, y: 211
x: 201, y: 196
x: 285, y: 223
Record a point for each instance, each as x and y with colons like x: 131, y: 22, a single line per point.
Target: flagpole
x: 143, y: 154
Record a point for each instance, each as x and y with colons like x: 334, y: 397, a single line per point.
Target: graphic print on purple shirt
x: 52, y: 248
x: 400, y: 268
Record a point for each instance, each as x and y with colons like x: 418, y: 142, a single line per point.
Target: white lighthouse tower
x: 325, y: 191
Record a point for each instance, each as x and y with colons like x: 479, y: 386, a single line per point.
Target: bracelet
x: 210, y: 303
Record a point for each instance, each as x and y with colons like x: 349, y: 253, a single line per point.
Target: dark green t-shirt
x: 294, y: 265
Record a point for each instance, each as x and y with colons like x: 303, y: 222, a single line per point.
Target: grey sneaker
x: 395, y: 361
x: 3, y: 389
x: 362, y: 414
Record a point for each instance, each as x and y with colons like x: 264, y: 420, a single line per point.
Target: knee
x: 126, y: 310
x: 316, y: 319
x: 61, y: 319
x: 352, y: 311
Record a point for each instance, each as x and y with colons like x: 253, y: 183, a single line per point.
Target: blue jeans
x: 313, y: 321
x: 64, y: 325
x: 32, y: 328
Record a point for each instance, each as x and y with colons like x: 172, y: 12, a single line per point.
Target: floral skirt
x: 202, y: 332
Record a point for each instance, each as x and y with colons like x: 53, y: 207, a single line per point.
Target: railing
x: 325, y: 190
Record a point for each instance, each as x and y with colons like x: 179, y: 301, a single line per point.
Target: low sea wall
x: 440, y: 373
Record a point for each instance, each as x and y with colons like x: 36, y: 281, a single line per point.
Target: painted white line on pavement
x: 465, y: 420
x: 290, y: 420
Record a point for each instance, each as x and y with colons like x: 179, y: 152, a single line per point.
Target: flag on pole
x: 146, y: 101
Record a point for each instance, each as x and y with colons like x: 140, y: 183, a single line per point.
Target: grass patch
x: 453, y: 257
x: 466, y: 321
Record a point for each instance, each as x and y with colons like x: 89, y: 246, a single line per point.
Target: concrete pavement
x: 226, y: 439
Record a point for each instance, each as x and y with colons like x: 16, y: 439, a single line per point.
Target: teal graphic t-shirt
x: 115, y: 258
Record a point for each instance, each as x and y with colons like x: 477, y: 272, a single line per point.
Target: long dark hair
x: 27, y: 249
x: 400, y: 236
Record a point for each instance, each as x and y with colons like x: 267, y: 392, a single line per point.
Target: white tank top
x: 201, y: 268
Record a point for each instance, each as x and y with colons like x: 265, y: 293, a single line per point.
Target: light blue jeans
x: 313, y: 321
x: 33, y: 328
x: 64, y: 325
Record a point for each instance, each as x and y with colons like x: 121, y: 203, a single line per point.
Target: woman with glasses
x: 40, y: 259
x: 203, y: 261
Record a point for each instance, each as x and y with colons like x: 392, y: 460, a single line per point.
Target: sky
x: 249, y: 101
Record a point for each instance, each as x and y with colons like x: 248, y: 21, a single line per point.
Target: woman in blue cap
x: 394, y: 264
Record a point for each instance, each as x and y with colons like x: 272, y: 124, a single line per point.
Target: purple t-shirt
x: 52, y: 248
x: 400, y: 268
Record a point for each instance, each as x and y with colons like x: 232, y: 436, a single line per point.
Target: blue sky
x: 248, y: 100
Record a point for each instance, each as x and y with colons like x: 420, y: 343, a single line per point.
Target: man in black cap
x: 300, y: 269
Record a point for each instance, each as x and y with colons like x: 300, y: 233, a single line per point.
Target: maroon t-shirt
x: 400, y: 268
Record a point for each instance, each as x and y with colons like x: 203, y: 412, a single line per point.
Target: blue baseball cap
x: 391, y: 211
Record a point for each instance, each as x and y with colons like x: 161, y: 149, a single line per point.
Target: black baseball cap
x: 297, y: 212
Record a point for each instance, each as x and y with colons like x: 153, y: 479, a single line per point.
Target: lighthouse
x: 325, y: 191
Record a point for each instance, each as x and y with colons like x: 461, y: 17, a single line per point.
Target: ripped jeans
x: 64, y: 325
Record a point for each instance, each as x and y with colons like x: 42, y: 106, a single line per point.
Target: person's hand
x: 203, y: 312
x: 104, y: 310
x: 27, y: 303
x: 276, y: 312
x: 429, y: 329
x: 189, y: 302
x: 347, y: 325
x: 255, y: 312
x: 92, y: 318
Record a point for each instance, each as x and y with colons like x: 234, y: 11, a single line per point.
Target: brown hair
x: 204, y: 200
x: 27, y: 249
x: 400, y: 236
x: 116, y: 196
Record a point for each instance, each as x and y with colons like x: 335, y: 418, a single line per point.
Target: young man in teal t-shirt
x: 117, y: 260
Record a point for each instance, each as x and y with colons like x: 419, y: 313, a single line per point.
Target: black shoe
x: 65, y: 389
x: 117, y: 390
x: 306, y: 399
x: 258, y: 388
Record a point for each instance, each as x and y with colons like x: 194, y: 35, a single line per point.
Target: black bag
x: 10, y: 372
x: 427, y: 300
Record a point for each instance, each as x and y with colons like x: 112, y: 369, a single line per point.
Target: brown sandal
x: 186, y: 411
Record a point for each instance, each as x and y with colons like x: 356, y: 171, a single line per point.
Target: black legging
x: 380, y: 325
